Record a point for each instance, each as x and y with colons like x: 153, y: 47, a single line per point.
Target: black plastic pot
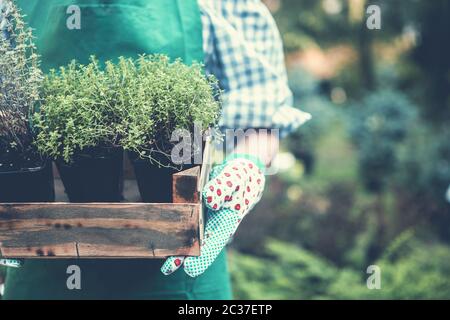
x: 93, y: 177
x: 154, y: 183
x: 28, y: 185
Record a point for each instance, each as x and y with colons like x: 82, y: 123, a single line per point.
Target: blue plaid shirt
x: 244, y: 50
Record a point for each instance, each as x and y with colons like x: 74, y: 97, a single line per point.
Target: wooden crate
x: 108, y: 230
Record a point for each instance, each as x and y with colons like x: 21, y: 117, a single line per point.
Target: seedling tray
x: 108, y: 230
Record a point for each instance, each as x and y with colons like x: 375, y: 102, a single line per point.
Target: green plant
x: 20, y: 81
x: 135, y: 104
x: 78, y: 111
x: 383, y: 121
x: 164, y: 97
x: 411, y: 268
x: 286, y: 272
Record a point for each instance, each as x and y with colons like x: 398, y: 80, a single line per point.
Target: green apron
x: 109, y: 29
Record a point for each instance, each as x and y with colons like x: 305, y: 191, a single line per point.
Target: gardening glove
x: 235, y: 188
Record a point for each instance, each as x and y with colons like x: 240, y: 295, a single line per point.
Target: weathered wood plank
x: 130, y: 230
x: 184, y: 186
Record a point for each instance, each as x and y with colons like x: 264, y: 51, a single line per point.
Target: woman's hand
x: 235, y: 188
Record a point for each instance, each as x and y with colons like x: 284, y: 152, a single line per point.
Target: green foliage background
x: 371, y: 168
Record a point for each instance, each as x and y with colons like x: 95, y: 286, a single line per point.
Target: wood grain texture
x: 185, y: 186
x: 94, y: 230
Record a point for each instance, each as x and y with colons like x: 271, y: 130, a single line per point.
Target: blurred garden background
x: 364, y: 182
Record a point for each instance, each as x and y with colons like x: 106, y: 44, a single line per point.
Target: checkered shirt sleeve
x: 243, y: 49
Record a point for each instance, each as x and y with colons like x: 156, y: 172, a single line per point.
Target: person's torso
x: 68, y: 29
x: 77, y: 29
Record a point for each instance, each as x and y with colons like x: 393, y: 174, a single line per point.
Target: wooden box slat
x: 185, y: 186
x: 106, y: 230
x: 69, y: 230
x: 109, y: 230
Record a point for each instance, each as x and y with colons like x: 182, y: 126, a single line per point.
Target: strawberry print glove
x: 235, y: 188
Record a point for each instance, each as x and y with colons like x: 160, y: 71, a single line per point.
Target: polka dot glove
x: 235, y: 188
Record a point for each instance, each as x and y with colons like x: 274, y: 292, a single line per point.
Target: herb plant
x: 77, y: 111
x: 165, y: 96
x: 20, y: 81
x: 135, y: 104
